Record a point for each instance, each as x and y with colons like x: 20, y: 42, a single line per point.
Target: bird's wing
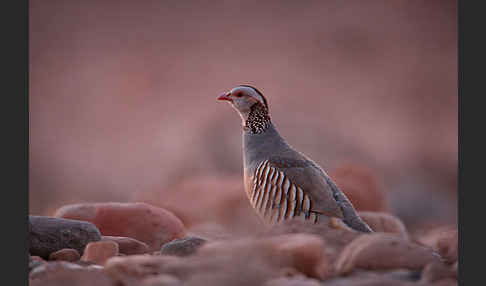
x: 325, y: 197
x: 276, y: 197
x: 303, y: 174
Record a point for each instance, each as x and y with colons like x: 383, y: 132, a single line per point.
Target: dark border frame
x: 470, y: 142
x: 15, y: 135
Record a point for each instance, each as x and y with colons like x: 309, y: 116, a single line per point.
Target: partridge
x: 280, y: 182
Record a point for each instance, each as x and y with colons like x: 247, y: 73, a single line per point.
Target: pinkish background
x: 123, y: 97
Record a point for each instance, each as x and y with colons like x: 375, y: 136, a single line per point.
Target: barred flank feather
x: 276, y: 198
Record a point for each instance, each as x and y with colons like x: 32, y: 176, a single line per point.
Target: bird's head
x: 244, y: 99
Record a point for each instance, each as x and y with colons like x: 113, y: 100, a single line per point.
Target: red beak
x: 225, y: 96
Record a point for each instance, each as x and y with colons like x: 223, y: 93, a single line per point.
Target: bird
x: 280, y: 182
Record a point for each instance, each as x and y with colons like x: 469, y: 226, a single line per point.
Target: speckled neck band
x: 258, y: 119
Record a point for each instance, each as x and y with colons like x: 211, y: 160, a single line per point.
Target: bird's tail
x: 358, y: 224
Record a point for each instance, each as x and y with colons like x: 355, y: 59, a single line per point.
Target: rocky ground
x: 141, y: 244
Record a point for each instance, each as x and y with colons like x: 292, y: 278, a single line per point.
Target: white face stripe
x: 249, y: 91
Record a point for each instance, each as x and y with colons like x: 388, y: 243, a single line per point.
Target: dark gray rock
x: 48, y: 234
x: 403, y: 274
x: 374, y: 278
x: 182, y: 247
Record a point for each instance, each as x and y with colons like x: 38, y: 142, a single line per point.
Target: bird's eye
x: 239, y: 94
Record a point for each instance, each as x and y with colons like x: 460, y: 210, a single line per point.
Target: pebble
x: 48, y: 235
x: 182, y: 247
x: 66, y: 254
x: 99, y: 252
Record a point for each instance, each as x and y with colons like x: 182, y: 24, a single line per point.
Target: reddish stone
x: 437, y: 271
x: 302, y: 252
x: 161, y: 280
x: 35, y: 261
x: 61, y: 273
x: 335, y: 239
x: 379, y: 251
x: 448, y: 246
x: 36, y: 258
x: 444, y: 240
x: 99, y: 252
x: 233, y: 268
x: 218, y: 200
x: 66, y: 254
x: 130, y: 270
x: 384, y: 222
x: 151, y: 225
x: 128, y: 245
x: 362, y: 188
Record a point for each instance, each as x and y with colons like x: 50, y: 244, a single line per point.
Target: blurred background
x: 123, y: 102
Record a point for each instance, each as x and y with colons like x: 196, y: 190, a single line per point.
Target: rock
x: 182, y: 247
x: 240, y: 268
x: 302, y: 252
x: 35, y: 261
x: 447, y: 246
x: 66, y: 254
x: 35, y: 258
x: 61, y: 273
x: 335, y: 239
x: 437, y: 271
x: 362, y: 188
x: 86, y: 263
x: 444, y: 240
x: 210, y: 231
x: 367, y: 278
x: 48, y: 235
x: 384, y: 222
x: 50, y: 267
x: 161, y: 280
x: 305, y: 253
x: 292, y: 281
x: 128, y: 245
x: 403, y: 275
x: 214, y: 199
x: 246, y: 261
x: 130, y: 270
x: 99, y: 252
x: 151, y: 225
x: 378, y: 251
